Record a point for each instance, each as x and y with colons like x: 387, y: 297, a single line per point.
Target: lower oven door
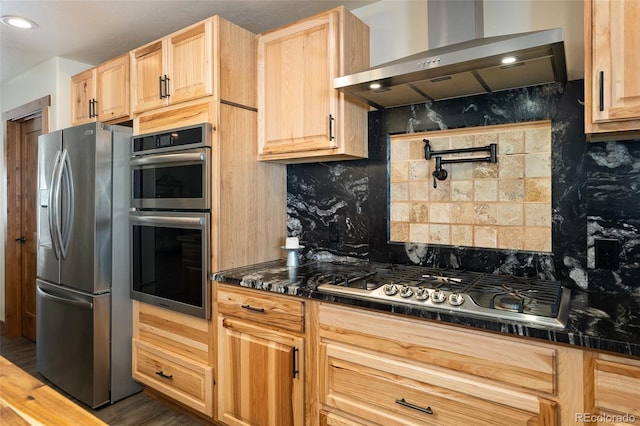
x: 170, y: 258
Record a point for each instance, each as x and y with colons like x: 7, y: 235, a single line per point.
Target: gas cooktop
x: 526, y: 300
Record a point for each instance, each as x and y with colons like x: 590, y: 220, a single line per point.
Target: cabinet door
x: 147, y: 72
x: 261, y: 375
x: 190, y: 63
x: 113, y: 89
x: 617, y: 390
x: 297, y: 102
x: 82, y: 96
x: 615, y: 64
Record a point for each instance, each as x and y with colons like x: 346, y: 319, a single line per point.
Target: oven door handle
x: 181, y: 157
x: 168, y: 220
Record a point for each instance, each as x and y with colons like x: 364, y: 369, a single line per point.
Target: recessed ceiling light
x: 508, y: 59
x: 19, y: 22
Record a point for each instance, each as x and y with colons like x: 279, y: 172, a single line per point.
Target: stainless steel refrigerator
x: 84, y: 318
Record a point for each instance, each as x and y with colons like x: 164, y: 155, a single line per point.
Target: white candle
x: 292, y: 242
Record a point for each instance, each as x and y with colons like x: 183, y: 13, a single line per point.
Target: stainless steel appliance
x: 461, y: 61
x: 169, y: 252
x: 170, y: 220
x: 84, y: 316
x: 171, y: 169
x: 525, y: 300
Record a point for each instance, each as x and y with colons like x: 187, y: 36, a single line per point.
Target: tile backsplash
x: 503, y: 205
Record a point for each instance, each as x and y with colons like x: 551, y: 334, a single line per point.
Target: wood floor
x: 139, y: 409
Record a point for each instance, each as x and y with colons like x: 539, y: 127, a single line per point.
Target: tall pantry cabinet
x: 206, y: 73
x: 612, y: 67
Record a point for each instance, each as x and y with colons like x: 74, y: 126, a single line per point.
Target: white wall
x: 50, y: 78
x: 399, y: 27
x: 513, y: 16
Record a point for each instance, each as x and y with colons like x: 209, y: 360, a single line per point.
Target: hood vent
x: 467, y: 68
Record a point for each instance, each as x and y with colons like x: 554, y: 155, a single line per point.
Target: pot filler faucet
x: 441, y: 174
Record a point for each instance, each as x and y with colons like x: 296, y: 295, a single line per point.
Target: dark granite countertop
x: 596, y: 320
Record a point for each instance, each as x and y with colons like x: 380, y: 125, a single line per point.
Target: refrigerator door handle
x: 65, y: 232
x: 54, y: 206
x: 79, y: 303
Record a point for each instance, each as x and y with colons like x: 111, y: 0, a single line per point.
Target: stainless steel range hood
x: 467, y: 68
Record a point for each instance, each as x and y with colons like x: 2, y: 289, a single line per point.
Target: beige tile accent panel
x: 506, y: 205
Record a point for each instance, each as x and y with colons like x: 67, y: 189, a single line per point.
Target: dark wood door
x: 30, y: 130
x: 23, y: 126
x: 21, y: 243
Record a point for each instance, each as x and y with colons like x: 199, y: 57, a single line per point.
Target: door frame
x: 11, y: 326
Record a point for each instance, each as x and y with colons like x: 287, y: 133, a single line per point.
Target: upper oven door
x: 177, y: 180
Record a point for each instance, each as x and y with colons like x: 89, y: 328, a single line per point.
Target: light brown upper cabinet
x: 101, y: 93
x: 174, y: 69
x: 301, y: 117
x: 197, y: 61
x: 612, y: 69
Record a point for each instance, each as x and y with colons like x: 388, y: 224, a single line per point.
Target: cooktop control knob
x: 456, y: 299
x: 438, y: 296
x: 390, y: 289
x: 422, y: 293
x: 405, y: 291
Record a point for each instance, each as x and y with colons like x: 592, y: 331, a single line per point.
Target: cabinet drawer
x: 260, y: 306
x: 617, y: 387
x: 174, y: 332
x: 178, y: 377
x: 525, y: 365
x: 332, y: 419
x: 387, y: 391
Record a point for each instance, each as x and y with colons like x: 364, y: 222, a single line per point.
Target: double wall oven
x: 170, y: 219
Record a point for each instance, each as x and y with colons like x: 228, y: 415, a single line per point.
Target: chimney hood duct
x: 461, y: 69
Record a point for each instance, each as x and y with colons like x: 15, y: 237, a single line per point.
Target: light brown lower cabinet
x: 172, y: 355
x: 381, y: 369
x: 387, y: 391
x: 616, y: 391
x: 178, y: 377
x: 261, y: 358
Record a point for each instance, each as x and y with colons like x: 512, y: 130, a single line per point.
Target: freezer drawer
x: 72, y: 349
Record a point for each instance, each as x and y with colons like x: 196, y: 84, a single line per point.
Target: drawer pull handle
x: 251, y: 308
x: 404, y: 403
x: 166, y: 376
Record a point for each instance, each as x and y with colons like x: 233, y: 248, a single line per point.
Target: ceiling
x: 93, y: 31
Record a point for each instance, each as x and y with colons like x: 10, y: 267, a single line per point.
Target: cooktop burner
x: 528, y: 300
